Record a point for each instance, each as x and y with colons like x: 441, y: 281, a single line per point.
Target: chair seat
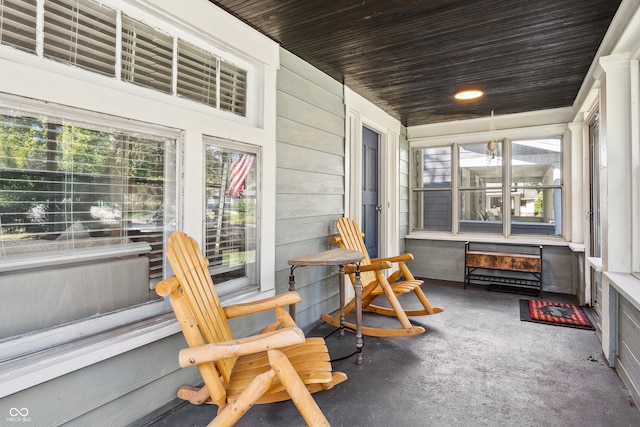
x: 310, y: 359
x: 278, y: 364
x: 399, y: 288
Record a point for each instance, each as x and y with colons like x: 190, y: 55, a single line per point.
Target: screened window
x: 432, y: 198
x: 517, y: 194
x: 71, y: 187
x: 535, y: 202
x: 480, y: 188
x: 231, y: 215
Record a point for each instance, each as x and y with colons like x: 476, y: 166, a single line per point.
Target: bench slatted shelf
x: 527, y: 268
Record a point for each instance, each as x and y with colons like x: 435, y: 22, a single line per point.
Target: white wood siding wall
x: 309, y: 180
x: 627, y: 364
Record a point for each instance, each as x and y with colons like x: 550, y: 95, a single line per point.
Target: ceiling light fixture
x: 493, y: 146
x: 468, y: 94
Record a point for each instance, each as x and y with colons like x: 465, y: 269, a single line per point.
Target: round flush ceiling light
x: 468, y: 94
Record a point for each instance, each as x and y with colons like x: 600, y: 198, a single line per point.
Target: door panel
x: 370, y: 202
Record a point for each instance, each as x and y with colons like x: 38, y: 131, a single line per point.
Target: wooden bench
x: 525, y: 268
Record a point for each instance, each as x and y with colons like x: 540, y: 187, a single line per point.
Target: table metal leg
x: 292, y: 287
x: 359, y: 339
x: 342, y: 298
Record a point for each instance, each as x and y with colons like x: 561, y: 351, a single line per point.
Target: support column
x: 615, y: 186
x: 576, y: 198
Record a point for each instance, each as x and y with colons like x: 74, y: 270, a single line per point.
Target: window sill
x: 33, y: 369
x: 489, y: 238
x: 45, y: 259
x: 47, y: 360
x: 595, y: 263
x: 627, y: 285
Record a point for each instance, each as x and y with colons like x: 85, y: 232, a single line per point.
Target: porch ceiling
x: 410, y: 56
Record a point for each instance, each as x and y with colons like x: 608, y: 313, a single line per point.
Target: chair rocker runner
x: 375, y: 284
x: 277, y: 364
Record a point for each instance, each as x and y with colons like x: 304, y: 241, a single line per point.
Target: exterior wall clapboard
x: 309, y: 181
x: 403, y: 189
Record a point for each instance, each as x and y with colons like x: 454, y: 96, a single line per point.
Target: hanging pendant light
x: 493, y: 146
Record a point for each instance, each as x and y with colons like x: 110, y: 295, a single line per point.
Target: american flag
x: 239, y: 170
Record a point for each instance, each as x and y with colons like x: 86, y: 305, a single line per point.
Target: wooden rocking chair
x: 278, y: 364
x: 375, y: 284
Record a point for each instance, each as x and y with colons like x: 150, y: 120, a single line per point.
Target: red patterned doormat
x: 554, y: 313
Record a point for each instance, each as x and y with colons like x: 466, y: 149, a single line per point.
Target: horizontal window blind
x: 233, y: 88
x: 231, y: 214
x: 65, y: 186
x: 84, y: 34
x: 197, y: 74
x: 81, y: 33
x: 18, y: 23
x: 147, y: 55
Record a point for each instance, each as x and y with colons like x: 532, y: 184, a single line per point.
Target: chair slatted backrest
x: 190, y: 268
x: 352, y: 238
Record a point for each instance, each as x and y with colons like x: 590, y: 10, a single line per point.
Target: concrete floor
x: 476, y: 365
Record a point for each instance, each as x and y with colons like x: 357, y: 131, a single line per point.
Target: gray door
x: 370, y: 203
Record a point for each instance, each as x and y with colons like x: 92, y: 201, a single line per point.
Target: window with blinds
x: 197, y: 74
x: 66, y: 186
x: 17, y: 24
x: 231, y: 214
x: 84, y: 33
x: 147, y: 55
x: 233, y: 88
x: 81, y: 33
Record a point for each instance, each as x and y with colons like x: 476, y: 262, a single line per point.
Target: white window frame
x: 455, y: 139
x: 635, y: 164
x: 31, y: 77
x: 246, y: 283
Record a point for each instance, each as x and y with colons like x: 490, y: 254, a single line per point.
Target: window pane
x: 17, y: 23
x: 81, y: 33
x: 197, y: 71
x: 481, y: 210
x: 147, y: 55
x: 433, y: 207
x: 433, y: 210
x: 233, y: 88
x: 536, y: 192
x: 66, y: 187
x: 479, y: 167
x: 536, y: 211
x: 231, y: 215
x: 436, y: 167
x: 536, y: 162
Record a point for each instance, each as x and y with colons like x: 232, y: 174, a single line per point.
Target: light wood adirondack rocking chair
x: 375, y: 284
x: 278, y: 364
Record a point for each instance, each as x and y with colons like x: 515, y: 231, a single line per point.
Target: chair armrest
x: 281, y: 300
x: 240, y: 347
x: 351, y: 268
x: 398, y: 258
